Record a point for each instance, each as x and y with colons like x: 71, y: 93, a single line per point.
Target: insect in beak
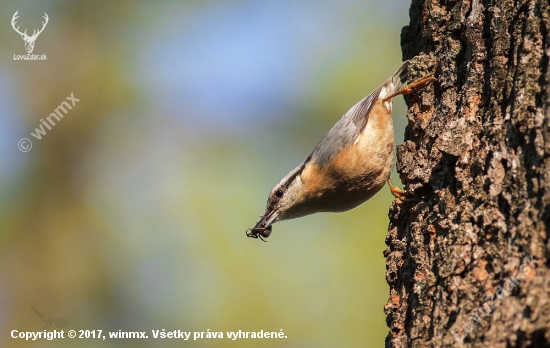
x: 260, y: 230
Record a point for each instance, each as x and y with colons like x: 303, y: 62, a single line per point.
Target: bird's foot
x: 412, y: 87
x: 397, y: 192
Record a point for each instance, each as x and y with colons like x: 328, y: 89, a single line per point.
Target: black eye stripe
x: 291, y: 178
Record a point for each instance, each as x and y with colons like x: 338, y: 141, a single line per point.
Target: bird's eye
x: 279, y: 193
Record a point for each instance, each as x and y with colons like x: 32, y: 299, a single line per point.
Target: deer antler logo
x: 29, y: 40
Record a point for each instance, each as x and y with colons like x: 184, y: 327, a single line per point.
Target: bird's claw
x: 413, y: 86
x: 397, y: 192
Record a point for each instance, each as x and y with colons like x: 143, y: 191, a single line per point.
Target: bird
x: 349, y: 165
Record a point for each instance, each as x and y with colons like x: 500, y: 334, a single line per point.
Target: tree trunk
x: 468, y: 253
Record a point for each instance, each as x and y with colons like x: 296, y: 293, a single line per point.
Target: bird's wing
x: 346, y: 130
x: 350, y: 126
x: 359, y: 113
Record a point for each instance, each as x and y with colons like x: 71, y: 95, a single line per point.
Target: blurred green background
x: 130, y: 214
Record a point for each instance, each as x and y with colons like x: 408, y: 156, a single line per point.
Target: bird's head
x: 294, y: 196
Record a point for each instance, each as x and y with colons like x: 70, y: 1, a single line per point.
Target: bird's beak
x: 267, y: 220
x: 270, y: 218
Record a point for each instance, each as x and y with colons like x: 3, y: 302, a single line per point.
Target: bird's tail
x: 397, y: 85
x: 398, y: 80
x: 360, y: 111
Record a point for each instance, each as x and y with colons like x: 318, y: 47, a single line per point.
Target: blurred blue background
x: 130, y: 213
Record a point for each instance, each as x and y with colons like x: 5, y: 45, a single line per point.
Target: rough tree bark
x: 468, y: 254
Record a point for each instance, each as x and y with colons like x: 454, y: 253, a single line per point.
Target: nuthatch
x: 348, y: 166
